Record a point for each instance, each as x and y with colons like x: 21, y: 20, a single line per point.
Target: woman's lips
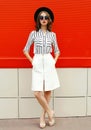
x: 44, y: 22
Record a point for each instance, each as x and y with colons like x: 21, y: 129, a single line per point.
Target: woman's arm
x: 56, y: 57
x: 27, y: 46
x: 56, y: 48
x: 28, y: 56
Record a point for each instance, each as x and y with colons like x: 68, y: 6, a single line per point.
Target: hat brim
x: 43, y: 9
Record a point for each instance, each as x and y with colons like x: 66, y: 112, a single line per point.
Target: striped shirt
x: 42, y: 42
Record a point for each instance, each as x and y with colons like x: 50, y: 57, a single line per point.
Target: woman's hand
x: 56, y: 57
x: 28, y: 56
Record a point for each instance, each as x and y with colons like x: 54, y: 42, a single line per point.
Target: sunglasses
x: 43, y: 17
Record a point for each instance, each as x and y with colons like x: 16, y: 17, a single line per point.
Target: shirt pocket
x: 38, y: 40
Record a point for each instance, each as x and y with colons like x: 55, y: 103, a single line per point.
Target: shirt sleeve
x: 29, y: 42
x: 55, y: 44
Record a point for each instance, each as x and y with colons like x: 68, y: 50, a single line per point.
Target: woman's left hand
x: 56, y: 57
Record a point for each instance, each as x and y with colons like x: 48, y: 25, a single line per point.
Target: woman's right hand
x: 32, y: 61
x: 28, y: 56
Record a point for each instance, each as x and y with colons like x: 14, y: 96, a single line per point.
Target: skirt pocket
x: 33, y: 60
x: 52, y: 59
x: 37, y: 63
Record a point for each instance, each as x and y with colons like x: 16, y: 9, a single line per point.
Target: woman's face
x: 43, y: 19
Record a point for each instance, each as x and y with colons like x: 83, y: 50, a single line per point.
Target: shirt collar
x: 40, y: 30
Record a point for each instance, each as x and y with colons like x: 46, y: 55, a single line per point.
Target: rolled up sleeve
x: 55, y: 44
x: 29, y: 42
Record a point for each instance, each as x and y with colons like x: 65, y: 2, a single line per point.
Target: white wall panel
x: 73, y: 82
x: 25, y: 79
x: 8, y: 108
x: 8, y: 83
x: 89, y: 82
x: 30, y: 108
x: 89, y: 106
x: 65, y: 107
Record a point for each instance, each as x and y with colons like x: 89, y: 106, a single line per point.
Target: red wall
x: 72, y: 26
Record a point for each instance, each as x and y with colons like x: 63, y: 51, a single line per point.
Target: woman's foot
x: 51, y: 121
x: 42, y: 121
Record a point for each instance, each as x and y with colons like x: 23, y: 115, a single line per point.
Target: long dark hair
x: 38, y: 25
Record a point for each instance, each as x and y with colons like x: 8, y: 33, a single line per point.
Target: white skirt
x: 44, y: 74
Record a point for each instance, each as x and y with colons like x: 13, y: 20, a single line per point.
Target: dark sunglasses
x: 43, y: 17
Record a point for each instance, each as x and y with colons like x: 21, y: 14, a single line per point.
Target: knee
x: 47, y: 92
x: 36, y: 94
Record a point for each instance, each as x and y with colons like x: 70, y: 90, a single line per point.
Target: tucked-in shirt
x: 42, y: 42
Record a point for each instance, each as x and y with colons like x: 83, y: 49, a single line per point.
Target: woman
x: 44, y: 75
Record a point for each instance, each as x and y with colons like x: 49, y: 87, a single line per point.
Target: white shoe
x: 51, y: 123
x: 42, y: 123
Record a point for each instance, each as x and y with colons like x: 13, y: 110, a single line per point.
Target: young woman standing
x: 44, y: 75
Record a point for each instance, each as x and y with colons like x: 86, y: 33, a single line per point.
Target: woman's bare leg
x: 43, y: 102
x: 47, y: 95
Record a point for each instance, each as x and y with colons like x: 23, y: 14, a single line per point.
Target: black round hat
x: 43, y: 9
